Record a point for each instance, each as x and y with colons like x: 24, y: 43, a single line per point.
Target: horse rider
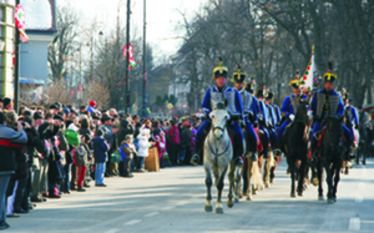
x: 263, y: 118
x: 219, y: 93
x: 351, y: 119
x: 272, y: 118
x: 325, y: 103
x: 250, y: 108
x: 250, y: 87
x: 289, y: 109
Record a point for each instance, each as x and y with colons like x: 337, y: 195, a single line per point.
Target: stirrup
x: 277, y: 152
x: 195, y: 159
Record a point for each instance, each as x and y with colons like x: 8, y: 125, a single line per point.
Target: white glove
x: 310, y: 114
x: 292, y: 117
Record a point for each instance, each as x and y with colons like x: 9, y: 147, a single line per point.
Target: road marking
x: 151, y: 214
x: 168, y: 208
x: 113, y: 230
x: 133, y: 222
x: 354, y: 224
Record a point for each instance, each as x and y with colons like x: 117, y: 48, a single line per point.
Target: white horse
x: 218, y: 152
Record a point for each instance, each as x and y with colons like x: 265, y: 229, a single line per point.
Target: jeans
x: 66, y: 183
x: 182, y: 155
x: 99, y: 173
x: 4, y: 181
x: 141, y: 162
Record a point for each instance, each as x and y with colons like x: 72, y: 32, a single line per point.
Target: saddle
x: 319, y: 136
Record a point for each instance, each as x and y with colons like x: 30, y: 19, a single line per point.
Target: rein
x: 210, y: 145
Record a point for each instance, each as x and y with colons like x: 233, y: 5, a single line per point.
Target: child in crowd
x: 127, y: 151
x: 100, y: 153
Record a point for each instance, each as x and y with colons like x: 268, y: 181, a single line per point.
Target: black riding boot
x: 238, y: 150
x: 253, y: 150
x: 195, y: 160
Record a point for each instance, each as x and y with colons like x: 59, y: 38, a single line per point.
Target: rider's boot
x: 277, y: 150
x: 195, y: 160
x: 253, y: 151
x: 238, y: 152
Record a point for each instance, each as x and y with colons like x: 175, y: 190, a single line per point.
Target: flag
x: 132, y: 62
x: 309, y: 79
x: 19, y: 19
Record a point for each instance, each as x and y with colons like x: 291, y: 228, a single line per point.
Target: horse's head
x: 301, y: 113
x: 334, y: 127
x: 219, y: 117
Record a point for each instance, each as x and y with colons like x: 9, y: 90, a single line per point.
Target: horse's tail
x: 258, y: 182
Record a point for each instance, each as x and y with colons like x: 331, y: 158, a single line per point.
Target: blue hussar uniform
x: 263, y: 118
x: 278, y: 116
x: 325, y: 104
x: 351, y: 119
x: 250, y: 108
x: 289, y: 106
x: 272, y: 119
x: 213, y: 96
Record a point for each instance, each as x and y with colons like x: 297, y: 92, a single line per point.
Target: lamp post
x: 127, y: 97
x: 16, y: 66
x: 144, y: 56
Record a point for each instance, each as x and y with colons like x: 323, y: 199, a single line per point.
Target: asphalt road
x: 173, y: 201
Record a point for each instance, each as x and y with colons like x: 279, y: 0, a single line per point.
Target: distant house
x: 40, y: 17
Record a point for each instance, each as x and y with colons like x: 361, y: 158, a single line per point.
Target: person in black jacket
x: 9, y: 139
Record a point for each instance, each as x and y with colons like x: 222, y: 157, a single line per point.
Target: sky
x: 164, y: 20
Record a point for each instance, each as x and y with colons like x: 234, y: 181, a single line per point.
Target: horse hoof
x: 208, y: 208
x: 334, y: 199
x: 300, y: 194
x: 315, y: 181
x: 330, y: 201
x: 271, y: 180
x: 320, y: 198
x: 219, y: 210
x: 254, y: 192
x: 267, y: 185
x: 230, y: 204
x: 236, y: 200
x: 249, y: 198
x: 293, y: 195
x: 240, y: 195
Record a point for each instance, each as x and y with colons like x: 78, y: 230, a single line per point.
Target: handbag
x: 115, y: 158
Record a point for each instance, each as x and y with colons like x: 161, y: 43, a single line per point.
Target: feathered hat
x: 238, y: 76
x: 261, y: 92
x: 250, y: 87
x: 329, y: 76
x: 295, y: 82
x: 220, y: 70
x: 345, y: 94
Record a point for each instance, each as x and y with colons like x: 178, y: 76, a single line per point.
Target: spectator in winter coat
x: 9, y: 139
x: 175, y: 141
x: 127, y: 152
x: 144, y: 144
x: 100, y: 148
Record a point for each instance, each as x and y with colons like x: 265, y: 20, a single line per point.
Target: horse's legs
x: 245, y: 177
x: 272, y: 169
x: 237, y: 183
x: 208, y: 183
x: 292, y: 167
x: 300, y: 185
x: 249, y: 178
x: 267, y: 170
x: 336, y: 181
x: 219, y: 207
x: 231, y: 184
x: 319, y: 177
x: 329, y: 174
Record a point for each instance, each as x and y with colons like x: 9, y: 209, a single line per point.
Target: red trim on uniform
x: 7, y: 143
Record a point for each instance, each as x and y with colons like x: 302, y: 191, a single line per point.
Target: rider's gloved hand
x: 292, y: 117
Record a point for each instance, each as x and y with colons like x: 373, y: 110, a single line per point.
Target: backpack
x: 80, y: 156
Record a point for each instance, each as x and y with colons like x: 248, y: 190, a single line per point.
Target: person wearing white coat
x: 144, y: 144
